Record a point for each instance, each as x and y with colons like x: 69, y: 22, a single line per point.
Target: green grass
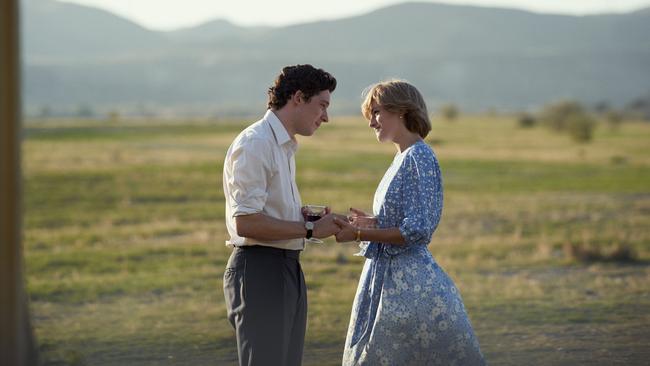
x: 124, y: 239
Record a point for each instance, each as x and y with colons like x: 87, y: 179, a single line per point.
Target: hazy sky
x: 170, y: 14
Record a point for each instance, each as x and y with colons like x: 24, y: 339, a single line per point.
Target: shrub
x: 639, y: 108
x: 619, y: 253
x: 113, y: 116
x: 85, y: 111
x: 526, y: 120
x: 581, y: 127
x: 569, y: 116
x: 556, y: 115
x: 449, y: 111
x: 614, y: 119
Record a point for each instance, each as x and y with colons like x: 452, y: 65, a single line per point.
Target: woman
x: 407, y: 311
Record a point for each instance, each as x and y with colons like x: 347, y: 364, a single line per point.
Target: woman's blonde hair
x: 398, y: 96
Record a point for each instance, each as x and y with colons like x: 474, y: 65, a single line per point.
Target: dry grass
x: 124, y: 239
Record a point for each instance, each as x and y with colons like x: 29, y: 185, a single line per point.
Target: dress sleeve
x: 251, y: 170
x: 421, y: 194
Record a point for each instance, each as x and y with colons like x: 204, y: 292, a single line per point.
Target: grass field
x: 124, y: 239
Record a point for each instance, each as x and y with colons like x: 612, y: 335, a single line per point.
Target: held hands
x: 343, y: 227
x: 349, y: 229
x: 347, y: 232
x: 325, y: 226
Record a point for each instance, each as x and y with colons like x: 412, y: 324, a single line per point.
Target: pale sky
x: 172, y: 14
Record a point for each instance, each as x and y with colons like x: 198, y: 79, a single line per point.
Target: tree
x: 449, y: 111
x: 113, y: 116
x: 556, y: 116
x: 602, y: 107
x: 581, y: 127
x: 639, y: 108
x: 526, y: 120
x: 45, y: 112
x: 84, y: 110
x: 614, y: 119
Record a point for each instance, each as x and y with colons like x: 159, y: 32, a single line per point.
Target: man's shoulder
x: 258, y: 130
x: 256, y: 136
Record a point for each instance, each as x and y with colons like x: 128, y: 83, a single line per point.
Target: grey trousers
x: 266, y: 301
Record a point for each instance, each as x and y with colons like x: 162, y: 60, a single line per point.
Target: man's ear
x: 298, y: 97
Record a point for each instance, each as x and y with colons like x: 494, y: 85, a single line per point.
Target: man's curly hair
x: 306, y: 78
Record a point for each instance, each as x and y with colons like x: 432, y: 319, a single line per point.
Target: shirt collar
x: 279, y: 131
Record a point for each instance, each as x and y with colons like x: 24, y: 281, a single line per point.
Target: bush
x: 614, y: 119
x: 581, y: 127
x: 619, y: 253
x: 85, y: 111
x: 449, y: 111
x: 526, y: 120
x: 113, y: 116
x: 569, y: 116
x: 639, y: 108
x: 557, y: 115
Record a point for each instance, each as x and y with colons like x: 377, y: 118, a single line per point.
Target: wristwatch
x: 310, y: 229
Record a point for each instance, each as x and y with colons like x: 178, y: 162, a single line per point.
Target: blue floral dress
x: 407, y: 311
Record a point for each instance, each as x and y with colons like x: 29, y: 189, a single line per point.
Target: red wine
x: 313, y: 217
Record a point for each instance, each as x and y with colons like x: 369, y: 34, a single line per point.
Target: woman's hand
x: 361, y: 219
x: 347, y: 232
x: 357, y: 212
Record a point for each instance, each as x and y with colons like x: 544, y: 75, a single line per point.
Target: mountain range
x: 475, y: 57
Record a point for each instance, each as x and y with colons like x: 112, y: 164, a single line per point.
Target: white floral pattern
x: 407, y: 311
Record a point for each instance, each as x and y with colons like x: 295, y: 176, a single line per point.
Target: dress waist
x: 375, y: 250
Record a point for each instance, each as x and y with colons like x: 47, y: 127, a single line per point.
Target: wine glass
x: 361, y: 219
x: 314, y: 213
x: 363, y: 222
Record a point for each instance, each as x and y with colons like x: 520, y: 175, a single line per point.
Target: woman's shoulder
x: 421, y: 153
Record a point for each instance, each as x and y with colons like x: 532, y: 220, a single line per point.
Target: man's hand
x: 346, y: 232
x: 325, y: 226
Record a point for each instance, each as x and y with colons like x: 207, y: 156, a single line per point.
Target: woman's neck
x: 405, y: 141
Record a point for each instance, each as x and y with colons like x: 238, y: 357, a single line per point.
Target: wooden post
x: 16, y: 338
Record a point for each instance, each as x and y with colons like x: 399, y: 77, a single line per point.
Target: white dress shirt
x: 259, y: 176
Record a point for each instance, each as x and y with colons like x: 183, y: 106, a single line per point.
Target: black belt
x: 287, y: 253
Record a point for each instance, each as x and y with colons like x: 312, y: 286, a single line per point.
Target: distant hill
x: 56, y: 32
x: 476, y: 57
x: 214, y: 30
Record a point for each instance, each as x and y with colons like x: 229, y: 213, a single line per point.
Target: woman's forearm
x: 389, y: 236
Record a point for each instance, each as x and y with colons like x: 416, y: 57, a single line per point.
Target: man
x: 264, y: 285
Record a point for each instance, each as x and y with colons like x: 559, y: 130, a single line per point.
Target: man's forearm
x: 262, y: 227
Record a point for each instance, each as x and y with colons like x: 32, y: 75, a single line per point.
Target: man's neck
x: 284, y: 117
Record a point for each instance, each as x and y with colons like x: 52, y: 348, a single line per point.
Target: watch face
x: 309, y: 225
